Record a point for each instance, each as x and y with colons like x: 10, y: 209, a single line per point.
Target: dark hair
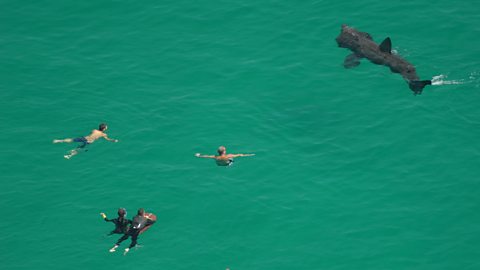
x: 141, y: 211
x: 122, y: 212
x: 102, y: 126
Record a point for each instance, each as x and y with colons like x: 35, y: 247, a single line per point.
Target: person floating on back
x: 139, y: 224
x: 121, y: 223
x: 84, y: 141
x: 223, y: 159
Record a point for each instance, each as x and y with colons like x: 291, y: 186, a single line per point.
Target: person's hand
x: 197, y: 154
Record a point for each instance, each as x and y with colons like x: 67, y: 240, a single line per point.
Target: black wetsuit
x: 138, y: 223
x: 121, y: 225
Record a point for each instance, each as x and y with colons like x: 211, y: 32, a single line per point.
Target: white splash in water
x: 473, y: 75
x: 442, y: 80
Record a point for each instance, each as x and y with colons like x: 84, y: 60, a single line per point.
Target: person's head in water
x: 141, y: 212
x: 222, y: 150
x: 122, y: 212
x: 102, y: 127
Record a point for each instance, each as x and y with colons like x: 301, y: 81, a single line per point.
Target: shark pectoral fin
x: 386, y: 46
x: 351, y: 61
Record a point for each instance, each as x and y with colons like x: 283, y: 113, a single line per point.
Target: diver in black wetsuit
x: 121, y: 223
x: 139, y: 222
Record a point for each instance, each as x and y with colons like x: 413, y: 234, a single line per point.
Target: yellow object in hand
x: 103, y: 215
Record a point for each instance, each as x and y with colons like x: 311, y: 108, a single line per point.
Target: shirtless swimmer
x: 84, y: 141
x: 223, y: 159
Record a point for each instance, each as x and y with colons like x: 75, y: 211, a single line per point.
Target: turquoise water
x: 351, y: 170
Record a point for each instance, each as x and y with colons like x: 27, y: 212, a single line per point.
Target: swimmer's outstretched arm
x: 241, y: 155
x: 105, y: 217
x: 108, y: 139
x: 203, y: 156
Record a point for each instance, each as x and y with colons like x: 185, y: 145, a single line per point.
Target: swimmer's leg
x: 62, y: 141
x: 71, y: 154
x: 123, y: 238
x: 134, y: 240
x: 133, y: 244
x: 76, y: 150
x: 114, y: 248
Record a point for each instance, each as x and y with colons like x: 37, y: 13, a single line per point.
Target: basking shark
x: 363, y: 46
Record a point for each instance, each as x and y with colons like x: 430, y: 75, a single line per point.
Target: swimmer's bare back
x: 97, y: 134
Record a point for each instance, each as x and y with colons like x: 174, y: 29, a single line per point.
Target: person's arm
x: 204, y: 156
x: 241, y: 155
x: 105, y: 217
x: 108, y: 139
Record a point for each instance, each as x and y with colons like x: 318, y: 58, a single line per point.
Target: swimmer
x: 121, y: 223
x: 223, y: 159
x: 139, y: 222
x: 84, y: 141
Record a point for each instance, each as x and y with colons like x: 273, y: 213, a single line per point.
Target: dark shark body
x: 363, y: 46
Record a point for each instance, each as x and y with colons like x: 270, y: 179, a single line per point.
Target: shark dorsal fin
x: 386, y: 45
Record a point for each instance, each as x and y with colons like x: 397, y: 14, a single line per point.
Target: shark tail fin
x: 417, y: 86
